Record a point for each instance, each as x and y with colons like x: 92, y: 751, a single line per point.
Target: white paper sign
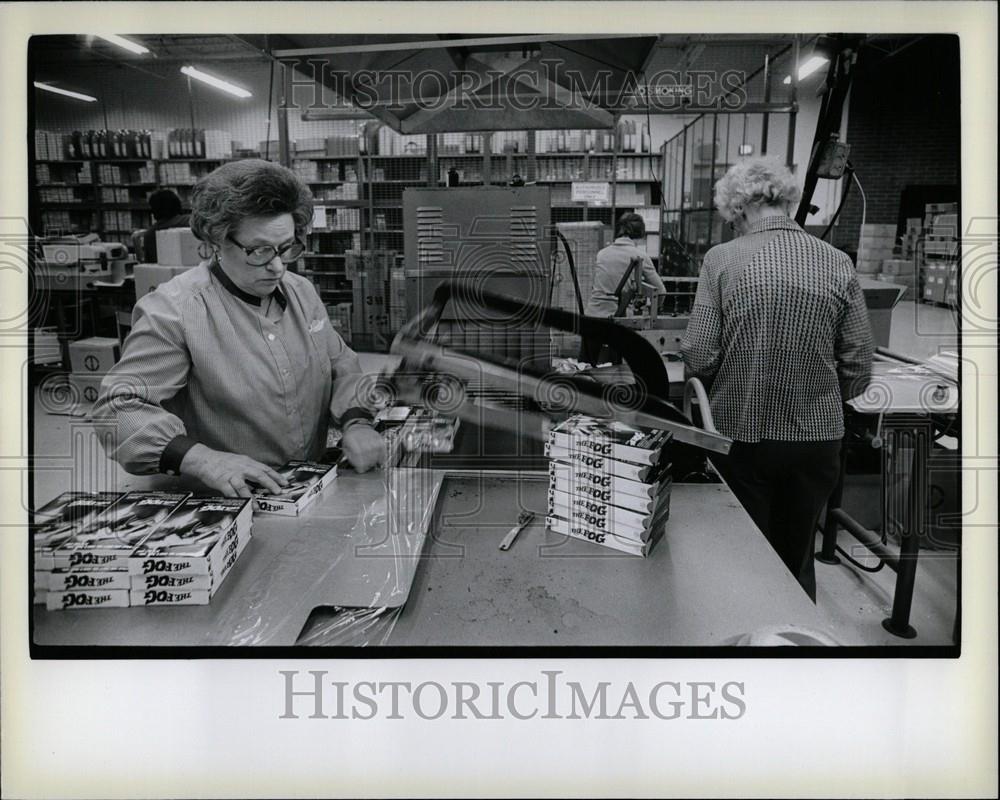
x: 591, y: 192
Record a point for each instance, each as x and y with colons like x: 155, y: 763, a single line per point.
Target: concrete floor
x: 853, y: 603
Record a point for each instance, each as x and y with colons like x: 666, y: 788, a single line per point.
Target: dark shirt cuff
x: 173, y: 454
x: 355, y: 413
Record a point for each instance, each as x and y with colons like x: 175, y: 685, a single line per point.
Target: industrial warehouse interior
x: 550, y: 469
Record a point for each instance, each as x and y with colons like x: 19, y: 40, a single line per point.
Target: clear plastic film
x: 346, y: 564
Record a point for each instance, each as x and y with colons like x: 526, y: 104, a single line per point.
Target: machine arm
x: 438, y: 377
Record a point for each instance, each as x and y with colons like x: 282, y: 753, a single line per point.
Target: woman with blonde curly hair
x: 232, y: 368
x: 780, y: 333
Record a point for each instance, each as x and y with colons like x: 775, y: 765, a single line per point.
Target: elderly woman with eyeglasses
x: 780, y: 332
x: 232, y: 368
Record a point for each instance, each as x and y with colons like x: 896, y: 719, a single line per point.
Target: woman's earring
x: 205, y: 251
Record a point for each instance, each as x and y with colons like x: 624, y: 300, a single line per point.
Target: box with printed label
x: 612, y: 519
x: 66, y: 581
x: 55, y: 523
x: 580, y: 475
x: 610, y: 439
x: 86, y: 599
x: 169, y: 597
x: 85, y: 391
x: 107, y: 540
x: 306, y: 480
x: 602, y: 465
x: 196, y: 539
x: 586, y: 533
x: 94, y: 356
x: 593, y: 493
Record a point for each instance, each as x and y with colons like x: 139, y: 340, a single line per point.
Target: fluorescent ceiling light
x: 218, y: 83
x: 132, y: 47
x: 65, y: 92
x: 808, y: 68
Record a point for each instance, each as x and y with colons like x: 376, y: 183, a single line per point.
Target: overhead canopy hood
x: 432, y: 84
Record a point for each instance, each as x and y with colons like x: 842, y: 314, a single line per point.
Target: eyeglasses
x: 262, y: 255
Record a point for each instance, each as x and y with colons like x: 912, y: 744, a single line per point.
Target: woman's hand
x: 363, y: 447
x: 228, y: 473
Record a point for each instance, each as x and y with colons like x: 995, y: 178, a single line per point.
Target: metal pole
x: 767, y: 99
x: 284, y: 146
x: 790, y: 155
x: 916, y: 433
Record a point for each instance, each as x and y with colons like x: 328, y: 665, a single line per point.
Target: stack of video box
x: 89, y: 568
x: 52, y: 526
x: 108, y: 549
x: 188, y: 556
x: 609, y: 483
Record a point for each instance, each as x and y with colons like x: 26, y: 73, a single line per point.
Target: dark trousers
x: 784, y: 486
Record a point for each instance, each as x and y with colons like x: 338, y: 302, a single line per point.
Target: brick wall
x: 904, y: 131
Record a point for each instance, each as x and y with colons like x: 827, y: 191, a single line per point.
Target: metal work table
x: 712, y: 578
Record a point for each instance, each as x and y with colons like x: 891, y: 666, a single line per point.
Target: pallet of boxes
x: 90, y: 360
x: 609, y: 483
x: 876, y: 250
x: 939, y: 253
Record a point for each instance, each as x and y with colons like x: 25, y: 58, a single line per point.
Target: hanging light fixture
x: 126, y: 44
x: 218, y: 83
x: 65, y: 92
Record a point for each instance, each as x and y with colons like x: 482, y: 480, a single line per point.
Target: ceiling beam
x: 437, y: 44
x: 566, y: 98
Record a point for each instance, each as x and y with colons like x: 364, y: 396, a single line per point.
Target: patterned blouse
x: 781, y: 332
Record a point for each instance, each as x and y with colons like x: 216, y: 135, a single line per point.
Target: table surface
x: 710, y: 579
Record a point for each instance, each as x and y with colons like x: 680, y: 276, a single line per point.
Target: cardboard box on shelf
x: 177, y: 247
x: 95, y: 355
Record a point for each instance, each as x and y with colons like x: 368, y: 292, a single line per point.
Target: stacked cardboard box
x: 189, y: 555
x: 55, y: 523
x: 609, y: 483
x: 876, y: 244
x: 89, y: 568
x: 939, y: 253
x: 106, y: 549
x: 90, y: 360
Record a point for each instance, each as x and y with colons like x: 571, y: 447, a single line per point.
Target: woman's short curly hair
x: 755, y: 182
x: 249, y: 188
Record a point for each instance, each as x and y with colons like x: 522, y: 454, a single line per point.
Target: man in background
x: 167, y: 212
x: 613, y: 262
